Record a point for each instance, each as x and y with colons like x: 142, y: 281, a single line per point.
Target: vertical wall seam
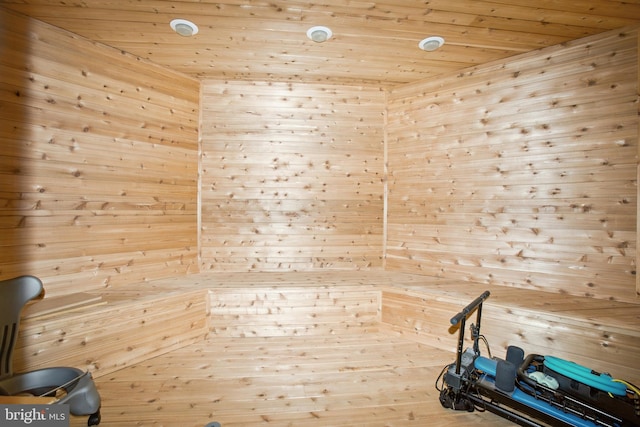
x: 385, y: 179
x: 199, y: 181
x: 637, y: 166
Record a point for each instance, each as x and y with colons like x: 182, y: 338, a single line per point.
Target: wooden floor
x: 370, y: 379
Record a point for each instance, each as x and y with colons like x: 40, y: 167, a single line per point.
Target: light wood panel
x: 638, y: 171
x: 317, y: 347
x: 369, y: 379
x: 98, y: 167
x: 41, y: 309
x: 374, y: 43
x: 596, y: 333
x: 292, y: 176
x: 321, y: 376
x: 293, y: 310
x: 119, y: 332
x: 273, y: 304
x: 521, y: 173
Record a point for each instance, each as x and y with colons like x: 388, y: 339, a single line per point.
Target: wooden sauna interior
x: 250, y: 227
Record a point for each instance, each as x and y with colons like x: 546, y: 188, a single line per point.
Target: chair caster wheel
x: 94, y: 419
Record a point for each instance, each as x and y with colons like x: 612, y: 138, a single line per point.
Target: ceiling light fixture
x: 184, y: 27
x: 431, y: 43
x: 319, y: 34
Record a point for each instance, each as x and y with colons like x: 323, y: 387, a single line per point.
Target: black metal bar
x: 496, y: 399
x: 460, y: 345
x: 462, y: 318
x: 469, y: 309
x: 475, y: 330
x: 503, y: 412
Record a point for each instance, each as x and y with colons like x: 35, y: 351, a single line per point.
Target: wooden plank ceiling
x: 373, y: 43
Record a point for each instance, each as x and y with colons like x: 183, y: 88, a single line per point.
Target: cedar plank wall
x: 292, y: 176
x: 521, y: 173
x: 505, y: 196
x: 98, y: 167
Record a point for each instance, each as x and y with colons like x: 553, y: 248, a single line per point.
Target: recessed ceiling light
x: 431, y: 43
x: 184, y: 27
x: 319, y: 34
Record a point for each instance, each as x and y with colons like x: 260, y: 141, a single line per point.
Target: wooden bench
x: 604, y: 335
x: 125, y: 327
x: 130, y: 324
